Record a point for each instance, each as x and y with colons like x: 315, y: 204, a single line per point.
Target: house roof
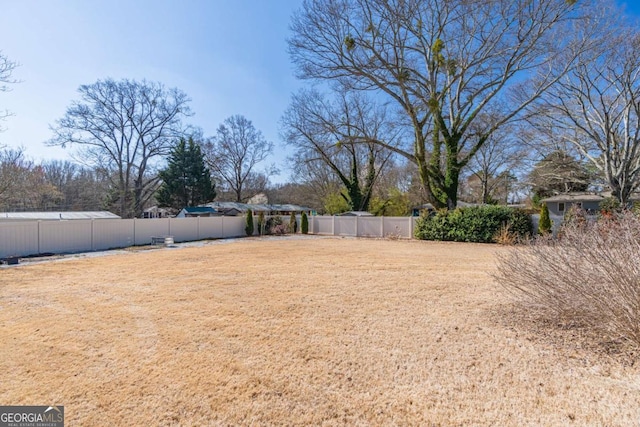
x: 199, y: 209
x: 243, y: 207
x: 357, y: 213
x: 574, y: 197
x: 51, y: 216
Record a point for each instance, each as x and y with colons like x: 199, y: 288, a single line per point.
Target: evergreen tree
x: 248, y: 228
x: 544, y: 226
x: 186, y: 181
x: 304, y: 223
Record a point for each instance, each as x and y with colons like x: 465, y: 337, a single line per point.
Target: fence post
x: 382, y: 226
x: 333, y: 225
x: 357, y: 222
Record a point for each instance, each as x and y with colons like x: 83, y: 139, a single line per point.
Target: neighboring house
x: 560, y: 204
x: 56, y: 216
x: 228, y: 208
x: 156, y: 212
x: 356, y: 213
x: 197, y: 211
x: 235, y: 208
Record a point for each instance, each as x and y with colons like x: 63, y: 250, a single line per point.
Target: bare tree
x: 6, y: 70
x: 596, y: 109
x: 123, y: 127
x: 233, y: 155
x: 23, y: 185
x: 443, y: 63
x: 324, y: 131
x: 81, y: 188
x: 494, y: 164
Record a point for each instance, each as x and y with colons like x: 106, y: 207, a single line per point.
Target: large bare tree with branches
x: 123, y: 127
x: 234, y: 155
x: 443, y: 63
x: 596, y: 108
x: 6, y: 70
x: 322, y: 131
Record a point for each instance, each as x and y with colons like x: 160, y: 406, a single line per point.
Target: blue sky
x: 229, y: 56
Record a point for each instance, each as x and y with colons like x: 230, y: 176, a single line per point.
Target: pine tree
x: 293, y: 224
x: 186, y: 181
x: 304, y: 223
x: 248, y: 228
x: 544, y: 226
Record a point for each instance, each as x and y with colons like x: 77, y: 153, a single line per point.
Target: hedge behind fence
x: 473, y: 224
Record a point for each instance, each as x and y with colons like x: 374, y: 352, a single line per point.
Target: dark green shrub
x: 473, y: 224
x: 261, y: 223
x: 544, y: 225
x: 304, y: 224
x: 293, y: 224
x: 248, y: 228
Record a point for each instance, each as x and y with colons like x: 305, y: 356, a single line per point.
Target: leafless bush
x: 505, y: 236
x: 590, y: 275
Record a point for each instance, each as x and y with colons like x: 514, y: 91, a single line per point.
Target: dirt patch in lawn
x: 294, y: 332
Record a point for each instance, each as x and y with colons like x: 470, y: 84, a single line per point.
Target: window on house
x: 561, y: 207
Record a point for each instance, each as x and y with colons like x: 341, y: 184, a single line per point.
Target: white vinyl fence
x: 22, y: 238
x: 357, y: 226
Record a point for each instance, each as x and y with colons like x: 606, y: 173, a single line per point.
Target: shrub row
x: 480, y: 224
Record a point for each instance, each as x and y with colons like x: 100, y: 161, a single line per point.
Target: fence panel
x: 321, y: 225
x: 346, y: 226
x: 398, y: 227
x: 18, y: 238
x: 211, y: 228
x: 370, y: 227
x: 112, y: 233
x: 144, y: 229
x: 233, y: 226
x: 65, y: 236
x: 183, y: 229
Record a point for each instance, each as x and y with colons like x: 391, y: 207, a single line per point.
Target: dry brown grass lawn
x: 316, y: 331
